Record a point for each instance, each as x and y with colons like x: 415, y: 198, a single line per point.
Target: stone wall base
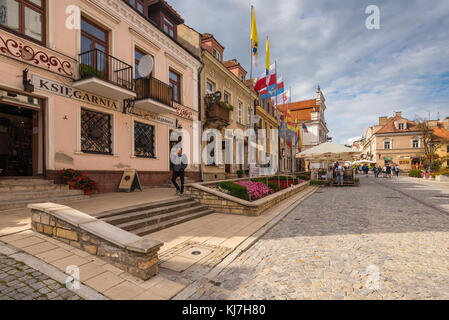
x: 139, y: 258
x: 221, y: 204
x: 109, y: 181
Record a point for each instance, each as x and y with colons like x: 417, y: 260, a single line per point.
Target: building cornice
x: 218, y: 64
x: 147, y: 30
x: 397, y: 134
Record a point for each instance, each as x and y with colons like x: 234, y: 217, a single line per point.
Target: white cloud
x: 363, y: 73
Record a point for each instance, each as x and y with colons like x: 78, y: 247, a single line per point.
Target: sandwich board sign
x: 130, y: 181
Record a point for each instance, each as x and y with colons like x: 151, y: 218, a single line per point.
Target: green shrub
x: 318, y: 182
x: 304, y: 178
x: 235, y: 190
x: 87, y: 71
x: 273, y: 186
x: 415, y: 173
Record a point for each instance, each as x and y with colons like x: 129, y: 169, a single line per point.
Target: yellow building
x: 441, y: 132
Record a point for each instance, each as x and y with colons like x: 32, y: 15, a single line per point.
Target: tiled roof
x: 168, y: 7
x: 389, y: 127
x: 305, y: 105
x: 441, y: 132
x: 206, y: 36
x: 231, y: 63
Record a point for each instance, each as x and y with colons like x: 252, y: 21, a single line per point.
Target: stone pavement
x: 21, y: 282
x: 430, y: 192
x: 370, y: 242
x: 215, y: 235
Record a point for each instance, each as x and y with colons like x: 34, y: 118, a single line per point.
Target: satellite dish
x: 145, y: 66
x: 217, y: 96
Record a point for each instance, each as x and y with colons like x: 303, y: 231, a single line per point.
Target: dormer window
x: 401, y: 126
x: 216, y: 54
x: 241, y: 77
x: 137, y: 4
x: 168, y: 27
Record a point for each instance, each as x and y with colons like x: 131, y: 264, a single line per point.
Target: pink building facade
x: 71, y: 95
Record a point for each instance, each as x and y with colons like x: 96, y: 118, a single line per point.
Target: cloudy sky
x: 363, y: 73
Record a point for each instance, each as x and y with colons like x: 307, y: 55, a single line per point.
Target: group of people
x: 387, y: 171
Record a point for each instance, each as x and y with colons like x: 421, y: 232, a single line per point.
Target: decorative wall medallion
x: 184, y: 113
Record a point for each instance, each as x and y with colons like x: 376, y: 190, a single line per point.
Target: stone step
x: 20, y: 196
x: 170, y: 223
x: 138, y: 215
x: 33, y: 187
x: 7, y: 182
x: 7, y: 205
x: 152, y: 220
x: 142, y: 207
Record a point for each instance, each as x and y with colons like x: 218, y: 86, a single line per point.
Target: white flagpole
x: 250, y: 100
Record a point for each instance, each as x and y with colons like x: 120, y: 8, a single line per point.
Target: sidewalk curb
x: 244, y: 246
x: 49, y: 270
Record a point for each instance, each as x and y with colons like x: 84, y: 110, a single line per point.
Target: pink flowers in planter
x: 258, y: 189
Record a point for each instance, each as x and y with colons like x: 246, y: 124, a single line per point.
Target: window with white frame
x: 415, y: 143
x: 387, y: 144
x: 210, y: 87
x: 226, y: 97
x: 240, y: 112
x: 401, y: 126
x: 216, y: 54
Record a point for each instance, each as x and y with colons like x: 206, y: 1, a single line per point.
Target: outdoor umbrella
x: 328, y: 152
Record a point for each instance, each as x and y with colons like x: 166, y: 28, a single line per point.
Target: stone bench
x: 123, y: 249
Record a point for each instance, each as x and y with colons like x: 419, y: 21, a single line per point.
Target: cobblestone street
x: 371, y: 242
x: 21, y: 282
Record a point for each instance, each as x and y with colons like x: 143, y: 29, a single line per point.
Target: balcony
x: 217, y: 113
x: 154, y: 96
x: 102, y: 74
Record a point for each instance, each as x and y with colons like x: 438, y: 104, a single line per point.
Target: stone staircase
x: 151, y: 217
x: 19, y: 192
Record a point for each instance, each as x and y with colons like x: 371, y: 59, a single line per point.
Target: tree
x: 431, y: 142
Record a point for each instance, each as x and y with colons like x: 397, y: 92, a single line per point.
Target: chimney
x: 383, y: 121
x: 398, y: 114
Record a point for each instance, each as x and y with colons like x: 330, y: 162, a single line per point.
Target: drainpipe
x: 200, y: 119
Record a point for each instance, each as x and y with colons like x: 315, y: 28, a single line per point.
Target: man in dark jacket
x: 180, y: 162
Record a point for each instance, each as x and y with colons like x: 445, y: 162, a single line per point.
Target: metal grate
x: 96, y: 132
x: 143, y: 140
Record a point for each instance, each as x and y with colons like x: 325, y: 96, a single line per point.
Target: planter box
x: 223, y: 203
x: 442, y: 178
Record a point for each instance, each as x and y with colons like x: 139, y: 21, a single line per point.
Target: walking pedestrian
x: 366, y: 170
x: 396, y: 170
x: 388, y: 170
x: 384, y: 171
x: 340, y: 174
x: 180, y: 162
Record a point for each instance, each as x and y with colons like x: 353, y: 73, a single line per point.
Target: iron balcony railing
x: 152, y: 88
x: 96, y: 63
